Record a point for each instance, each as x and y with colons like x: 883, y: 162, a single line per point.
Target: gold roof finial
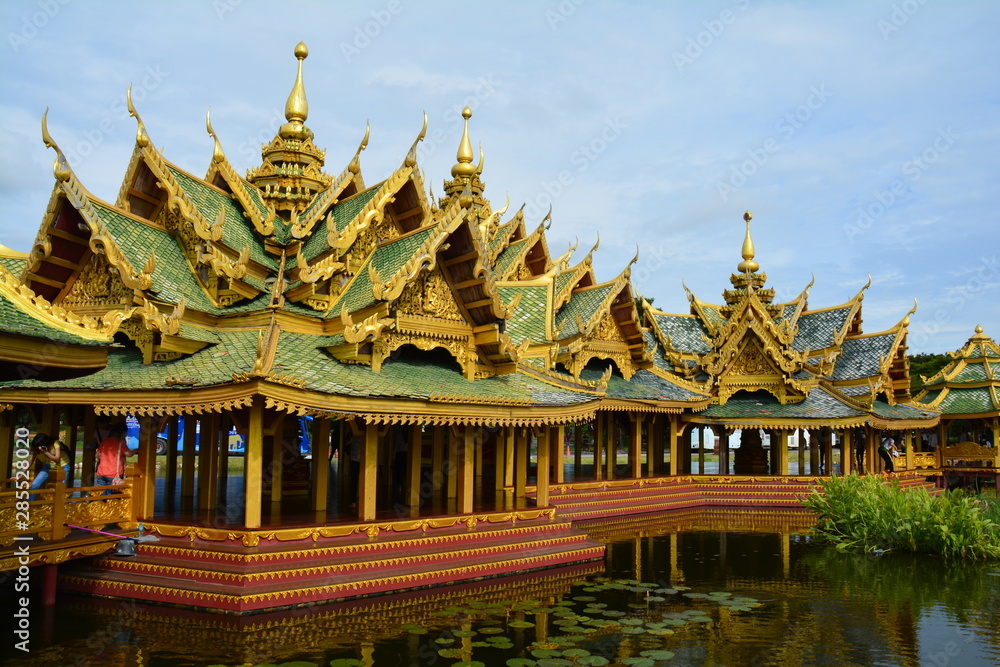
x: 464, y: 168
x: 748, y: 265
x: 979, y: 328
x: 296, y: 108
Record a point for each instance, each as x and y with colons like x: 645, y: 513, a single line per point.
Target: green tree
x: 927, y: 365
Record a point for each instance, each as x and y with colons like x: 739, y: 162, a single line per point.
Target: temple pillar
x: 846, y: 451
x: 724, y: 453
x: 319, y: 485
x: 521, y: 445
x: 208, y: 462
x: 439, y: 471
x: 611, y: 448
x: 801, y: 434
x: 89, y: 446
x: 635, y: 447
x: 464, y: 467
x: 557, y: 434
x: 414, y: 466
x: 170, y: 482
x: 783, y: 436
x: 701, y: 448
x: 253, y: 461
x: 367, y: 481
x: 598, y: 446
x: 452, y: 465
x: 577, y: 452
x: 909, y: 440
x: 72, y: 429
x: 222, y: 468
x: 542, y: 477
x: 187, y: 459
x: 508, y: 468
x: 477, y: 452
x: 673, y: 425
x: 144, y: 488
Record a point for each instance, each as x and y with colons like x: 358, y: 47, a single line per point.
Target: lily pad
x: 575, y: 653
x: 346, y: 662
x: 657, y: 654
x: 546, y: 653
x: 469, y: 663
x: 491, y: 631
x: 521, y: 662
x: 639, y: 662
x: 465, y: 633
x: 415, y: 629
x: 444, y: 641
x: 521, y: 624
x: 451, y: 653
x: 593, y: 660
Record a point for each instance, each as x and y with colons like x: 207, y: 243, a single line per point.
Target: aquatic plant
x: 864, y: 513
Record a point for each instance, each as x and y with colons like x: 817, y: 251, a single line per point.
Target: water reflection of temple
x: 464, y: 392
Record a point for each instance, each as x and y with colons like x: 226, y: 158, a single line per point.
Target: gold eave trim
x: 43, y: 353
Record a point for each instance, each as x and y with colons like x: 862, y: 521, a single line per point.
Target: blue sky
x: 863, y: 136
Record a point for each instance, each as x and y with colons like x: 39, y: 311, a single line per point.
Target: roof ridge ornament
x: 748, y: 265
x: 464, y: 167
x: 297, y: 108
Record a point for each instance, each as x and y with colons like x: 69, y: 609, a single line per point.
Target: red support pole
x: 51, y: 574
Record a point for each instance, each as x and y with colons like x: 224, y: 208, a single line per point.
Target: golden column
x: 367, y: 482
x: 253, y: 461
x: 542, y: 468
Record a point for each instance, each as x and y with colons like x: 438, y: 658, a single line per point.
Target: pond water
x: 675, y: 589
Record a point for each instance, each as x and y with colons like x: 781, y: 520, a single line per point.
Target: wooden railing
x: 56, y: 506
x: 969, y: 456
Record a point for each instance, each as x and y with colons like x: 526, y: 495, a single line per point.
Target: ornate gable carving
x: 429, y: 295
x: 97, y: 285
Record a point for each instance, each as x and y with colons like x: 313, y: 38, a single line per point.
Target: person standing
x: 885, y: 450
x: 49, y: 452
x: 111, y: 458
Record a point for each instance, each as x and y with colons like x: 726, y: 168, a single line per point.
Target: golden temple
x: 466, y: 394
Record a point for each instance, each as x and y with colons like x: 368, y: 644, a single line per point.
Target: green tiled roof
x: 967, y: 401
x: 254, y: 194
x: 563, y: 280
x: 501, y: 237
x: 816, y: 330
x: 213, y: 365
x: 900, y: 411
x: 685, y: 333
x: 528, y: 321
x: 509, y: 256
x: 644, y: 385
x: 584, y: 303
x: 786, y: 311
x: 971, y: 373
x: 415, y: 376
x: 343, y: 213
x: 172, y: 279
x: 14, y: 264
x: 762, y: 405
x: 18, y: 321
x: 237, y: 232
x: 712, y: 314
x: 387, y: 259
x: 861, y: 357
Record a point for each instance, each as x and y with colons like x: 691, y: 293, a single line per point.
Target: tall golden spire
x: 748, y: 250
x: 464, y: 168
x: 296, y: 108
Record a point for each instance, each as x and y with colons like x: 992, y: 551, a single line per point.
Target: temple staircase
x: 590, y: 500
x: 231, y: 577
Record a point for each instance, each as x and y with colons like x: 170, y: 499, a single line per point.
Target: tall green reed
x: 865, y: 513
